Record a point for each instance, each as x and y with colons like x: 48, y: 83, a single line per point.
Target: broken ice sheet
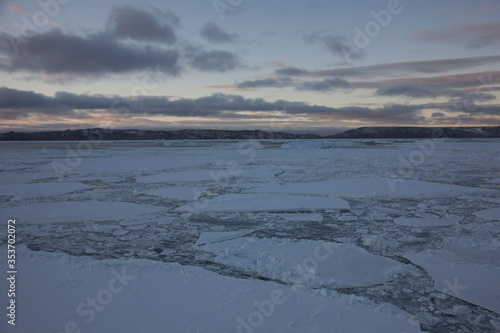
x: 138, y: 295
x: 68, y: 211
x: 306, y: 262
x: 264, y: 203
x: 425, y: 222
x: 467, y: 268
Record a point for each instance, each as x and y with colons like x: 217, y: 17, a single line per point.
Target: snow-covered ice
x: 490, y: 214
x: 25, y: 191
x: 360, y: 236
x: 302, y: 217
x: 425, y: 222
x: 147, y: 296
x: 67, y: 211
x: 306, y: 262
x: 264, y: 203
x: 473, y: 282
x: 372, y: 186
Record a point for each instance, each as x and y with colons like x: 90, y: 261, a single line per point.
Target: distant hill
x: 418, y: 133
x: 195, y: 134
x: 132, y: 134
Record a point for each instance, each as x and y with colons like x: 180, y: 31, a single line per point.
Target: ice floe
x: 304, y: 217
x: 425, y: 222
x: 70, y: 211
x: 25, y: 191
x: 363, y: 187
x: 305, y: 262
x: 147, y: 296
x: 490, y: 214
x: 467, y: 268
x: 264, y: 203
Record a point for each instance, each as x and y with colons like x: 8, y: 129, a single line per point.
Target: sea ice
x: 304, y: 217
x: 424, y: 222
x: 263, y: 203
x: 466, y: 268
x: 185, y: 193
x: 123, y: 295
x: 70, y: 211
x: 365, y: 187
x: 306, y: 262
x: 307, y: 144
x: 490, y: 214
x: 26, y: 191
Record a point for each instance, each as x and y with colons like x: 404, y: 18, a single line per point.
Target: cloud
x: 265, y: 83
x: 66, y: 57
x: 474, y: 36
x: 410, y: 67
x: 2, y: 6
x: 138, y: 24
x: 212, y: 61
x: 446, y: 81
x: 213, y: 33
x: 53, y: 52
x: 324, y: 85
x: 17, y: 104
x: 337, y: 45
x: 408, y: 90
x: 291, y: 71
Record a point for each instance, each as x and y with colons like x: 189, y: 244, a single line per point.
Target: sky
x: 312, y: 66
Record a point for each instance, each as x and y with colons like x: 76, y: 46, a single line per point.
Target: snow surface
x: 306, y: 262
x: 464, y: 279
x: 425, y: 222
x: 260, y: 213
x: 264, y: 202
x: 490, y: 214
x: 148, y: 296
x: 76, y: 211
x: 41, y: 189
x: 185, y: 193
x: 361, y: 187
x: 304, y: 217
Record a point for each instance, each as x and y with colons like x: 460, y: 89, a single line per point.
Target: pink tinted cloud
x: 475, y: 35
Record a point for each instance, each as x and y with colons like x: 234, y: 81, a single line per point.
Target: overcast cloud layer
x: 295, y: 63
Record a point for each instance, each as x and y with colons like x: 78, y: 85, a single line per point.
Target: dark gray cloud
x: 110, y: 51
x: 54, y: 52
x: 337, y: 45
x: 265, y: 83
x: 142, y: 25
x: 15, y: 104
x: 213, y: 60
x: 291, y: 71
x: 408, y: 90
x: 213, y: 33
x: 324, y: 85
x: 14, y: 99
